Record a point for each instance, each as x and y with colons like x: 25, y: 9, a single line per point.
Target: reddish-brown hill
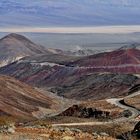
x: 121, y: 60
x: 22, y: 101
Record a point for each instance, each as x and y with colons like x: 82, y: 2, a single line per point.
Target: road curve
x: 114, y: 101
x: 119, y: 102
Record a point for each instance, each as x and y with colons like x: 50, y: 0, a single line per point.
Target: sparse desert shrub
x: 7, y: 124
x: 42, y: 123
x: 126, y: 113
x: 5, y: 120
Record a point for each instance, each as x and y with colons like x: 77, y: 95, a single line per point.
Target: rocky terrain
x: 108, y: 74
x: 83, y: 112
x: 123, y: 60
x: 58, y: 133
x: 102, y: 105
x: 22, y: 101
x: 70, y: 82
x: 82, y: 52
x: 56, y: 59
x: 133, y: 101
x: 62, y: 90
x: 14, y: 46
x: 96, y: 86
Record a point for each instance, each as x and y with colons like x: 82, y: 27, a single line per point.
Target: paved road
x: 82, y: 124
x: 117, y: 102
x: 114, y: 101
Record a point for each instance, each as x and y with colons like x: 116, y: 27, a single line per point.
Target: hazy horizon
x: 67, y: 24
x: 96, y: 41
x: 94, y: 29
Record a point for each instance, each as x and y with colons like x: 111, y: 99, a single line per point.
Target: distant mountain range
x: 125, y: 59
x: 70, y: 76
x: 14, y: 47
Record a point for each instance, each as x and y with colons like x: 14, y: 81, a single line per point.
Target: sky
x: 72, y: 16
x: 68, y: 13
x: 46, y: 13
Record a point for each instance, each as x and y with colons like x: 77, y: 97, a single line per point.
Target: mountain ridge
x: 14, y: 47
x: 117, y: 57
x: 63, y: 74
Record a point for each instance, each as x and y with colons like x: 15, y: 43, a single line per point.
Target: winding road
x: 117, y: 102
x: 120, y: 103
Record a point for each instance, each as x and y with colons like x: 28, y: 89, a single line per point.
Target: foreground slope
x: 22, y: 101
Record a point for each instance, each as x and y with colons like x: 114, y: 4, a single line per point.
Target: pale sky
x: 95, y: 29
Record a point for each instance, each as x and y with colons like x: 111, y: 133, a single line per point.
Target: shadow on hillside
x: 130, y: 135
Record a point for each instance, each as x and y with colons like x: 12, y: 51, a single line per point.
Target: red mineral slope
x: 121, y: 60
